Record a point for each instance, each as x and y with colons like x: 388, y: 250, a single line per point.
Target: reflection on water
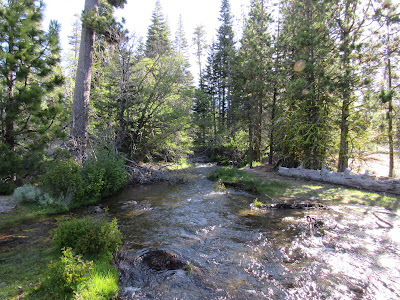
x: 239, y: 253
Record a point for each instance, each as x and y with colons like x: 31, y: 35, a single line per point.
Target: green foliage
x: 100, y: 176
x: 103, y: 174
x: 258, y: 203
x: 66, y: 274
x: 248, y: 181
x: 103, y: 285
x: 157, y: 42
x: 10, y: 164
x: 88, y: 236
x: 29, y: 76
x: 219, y: 186
x: 32, y: 194
x: 62, y: 178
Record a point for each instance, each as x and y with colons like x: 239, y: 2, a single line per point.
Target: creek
x: 236, y: 252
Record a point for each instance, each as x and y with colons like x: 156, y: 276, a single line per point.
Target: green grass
x: 336, y: 194
x: 27, y: 212
x: 24, y: 267
x: 344, y: 195
x: 103, y: 284
x: 248, y: 181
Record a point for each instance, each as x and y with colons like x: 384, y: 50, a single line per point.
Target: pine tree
x: 158, y: 42
x: 224, y: 61
x: 349, y: 17
x: 180, y: 42
x: 254, y: 59
x: 92, y: 23
x: 200, y: 44
x: 387, y: 15
x: 307, y: 118
x: 28, y: 57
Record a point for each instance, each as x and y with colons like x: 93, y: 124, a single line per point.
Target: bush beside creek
x: 83, y: 271
x: 78, y: 263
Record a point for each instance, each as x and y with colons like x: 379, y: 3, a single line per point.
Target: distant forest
x: 308, y: 82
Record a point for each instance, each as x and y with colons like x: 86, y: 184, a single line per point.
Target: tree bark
x: 80, y: 113
x: 390, y: 121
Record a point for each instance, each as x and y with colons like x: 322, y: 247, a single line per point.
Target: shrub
x: 105, y: 173
x: 88, y: 236
x: 32, y: 194
x: 219, y: 186
x: 100, y: 176
x: 67, y: 273
x: 28, y: 193
x: 62, y: 178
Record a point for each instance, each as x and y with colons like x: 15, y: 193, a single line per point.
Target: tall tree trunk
x: 271, y: 135
x: 80, y: 113
x: 343, y: 162
x: 9, y: 123
x: 390, y: 121
x: 344, y: 133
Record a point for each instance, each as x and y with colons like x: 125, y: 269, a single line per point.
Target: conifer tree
x: 254, y: 59
x: 28, y: 57
x: 180, y: 42
x: 200, y: 44
x: 306, y: 120
x: 387, y: 16
x: 224, y: 61
x: 158, y: 42
x: 92, y: 23
x: 349, y: 17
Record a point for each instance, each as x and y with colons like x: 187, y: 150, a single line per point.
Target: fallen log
x: 347, y: 178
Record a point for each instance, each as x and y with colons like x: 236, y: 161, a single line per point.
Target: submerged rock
x: 297, y: 205
x: 163, y: 260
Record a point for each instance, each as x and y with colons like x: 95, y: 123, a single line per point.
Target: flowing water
x: 236, y: 252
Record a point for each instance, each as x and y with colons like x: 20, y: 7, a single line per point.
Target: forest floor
x: 376, y: 162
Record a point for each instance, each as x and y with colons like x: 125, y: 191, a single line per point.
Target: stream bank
x: 236, y: 251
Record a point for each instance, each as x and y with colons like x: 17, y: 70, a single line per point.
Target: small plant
x: 219, y: 186
x: 32, y: 194
x: 189, y: 268
x: 27, y: 193
x: 68, y: 272
x: 88, y: 236
x: 258, y: 203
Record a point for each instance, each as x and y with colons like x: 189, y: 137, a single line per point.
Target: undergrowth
x: 247, y: 181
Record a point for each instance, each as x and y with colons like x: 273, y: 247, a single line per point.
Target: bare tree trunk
x: 271, y: 135
x: 80, y: 113
x: 390, y: 121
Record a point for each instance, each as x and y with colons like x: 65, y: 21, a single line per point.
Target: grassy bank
x: 248, y: 181
x: 32, y: 268
x: 251, y: 181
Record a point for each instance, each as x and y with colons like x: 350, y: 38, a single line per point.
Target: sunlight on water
x: 243, y: 253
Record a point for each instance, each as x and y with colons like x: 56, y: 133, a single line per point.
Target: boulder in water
x: 163, y: 260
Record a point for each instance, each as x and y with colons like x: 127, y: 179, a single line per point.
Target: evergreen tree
x: 158, y: 42
x: 254, y: 60
x: 200, y: 44
x: 28, y: 57
x: 180, y: 42
x: 307, y: 118
x: 96, y: 19
x: 349, y: 17
x: 387, y: 16
x: 224, y: 61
